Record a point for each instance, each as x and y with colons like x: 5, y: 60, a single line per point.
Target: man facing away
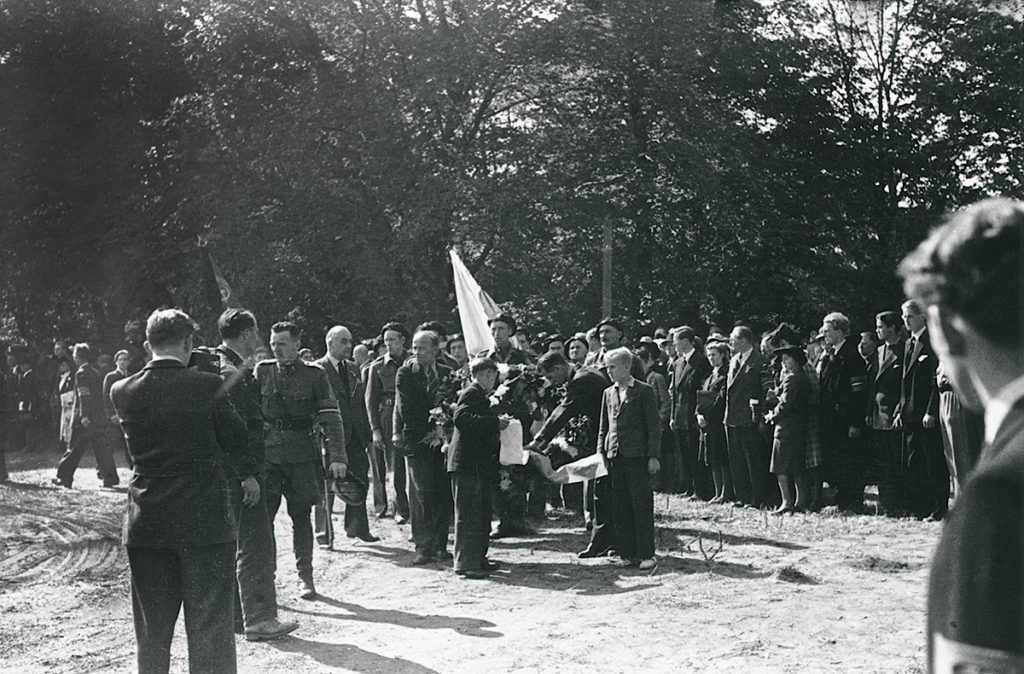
x: 256, y: 595
x: 967, y: 278
x: 179, y: 524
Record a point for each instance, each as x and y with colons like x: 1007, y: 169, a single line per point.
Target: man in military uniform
x: 256, y: 596
x: 380, y: 406
x: 296, y: 396
x: 88, y: 418
x: 843, y: 401
x: 343, y: 374
x: 503, y: 327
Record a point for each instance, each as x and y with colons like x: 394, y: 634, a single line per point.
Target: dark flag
x: 227, y: 296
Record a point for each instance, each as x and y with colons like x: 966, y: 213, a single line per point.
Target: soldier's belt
x: 291, y: 424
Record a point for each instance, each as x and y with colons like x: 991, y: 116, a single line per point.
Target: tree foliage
x: 756, y: 160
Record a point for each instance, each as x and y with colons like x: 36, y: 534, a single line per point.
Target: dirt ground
x: 803, y: 593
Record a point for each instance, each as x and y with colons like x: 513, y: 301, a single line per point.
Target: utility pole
x: 606, y: 272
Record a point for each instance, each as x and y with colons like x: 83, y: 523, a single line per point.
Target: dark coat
x: 976, y: 590
x: 348, y: 389
x: 843, y: 391
x: 178, y: 424
x: 749, y: 383
x: 413, y: 404
x: 476, y: 440
x: 584, y: 395
x: 108, y: 382
x: 88, y: 397
x: 792, y: 412
x: 884, y: 389
x: 688, y: 375
x: 631, y: 428
x: 919, y: 394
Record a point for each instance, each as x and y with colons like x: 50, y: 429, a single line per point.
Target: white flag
x: 475, y: 308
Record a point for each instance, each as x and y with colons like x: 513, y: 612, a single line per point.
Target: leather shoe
x: 368, y: 538
x: 490, y: 565
x: 60, y: 483
x: 422, y: 559
x: 270, y: 629
x: 306, y: 589
x: 445, y: 556
x: 474, y: 575
x: 591, y: 553
x: 321, y: 540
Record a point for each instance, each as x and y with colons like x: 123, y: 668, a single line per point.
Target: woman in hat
x: 791, y: 416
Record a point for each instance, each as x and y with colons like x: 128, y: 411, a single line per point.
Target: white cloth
x: 475, y: 308
x: 512, y: 453
x: 588, y: 468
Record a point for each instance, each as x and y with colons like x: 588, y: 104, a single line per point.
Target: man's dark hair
x: 478, y: 365
x: 870, y: 335
x: 83, y: 351
x: 890, y: 319
x: 550, y: 360
x: 287, y: 326
x: 684, y: 332
x: 169, y: 327
x: 970, y: 266
x: 434, y: 326
x: 397, y: 327
x: 233, y: 322
x: 648, y: 352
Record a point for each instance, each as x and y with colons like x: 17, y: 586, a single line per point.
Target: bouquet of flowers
x: 442, y: 414
x: 575, y: 441
x: 520, y: 389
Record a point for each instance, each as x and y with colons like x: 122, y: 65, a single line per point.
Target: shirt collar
x: 839, y: 346
x: 628, y: 385
x: 917, y: 335
x: 999, y: 407
x: 686, y: 356
x: 334, y: 361
x: 170, y: 359
x: 388, y: 358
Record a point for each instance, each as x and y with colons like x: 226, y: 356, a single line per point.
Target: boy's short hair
x: 478, y: 365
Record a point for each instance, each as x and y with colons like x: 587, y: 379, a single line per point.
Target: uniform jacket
x: 884, y: 389
x: 179, y: 425
x: 380, y: 391
x: 88, y: 397
x: 293, y: 398
x: 630, y: 428
x: 476, y: 440
x: 413, y: 404
x: 584, y: 395
x: 348, y: 389
x: 919, y: 394
x: 109, y: 380
x: 513, y: 357
x: 688, y: 374
x: 976, y: 589
x: 747, y: 383
x: 793, y: 411
x: 843, y: 391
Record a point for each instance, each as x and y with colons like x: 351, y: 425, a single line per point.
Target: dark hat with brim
x: 796, y: 352
x: 506, y: 319
x: 350, y: 489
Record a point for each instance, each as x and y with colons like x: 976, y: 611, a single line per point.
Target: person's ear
x: 949, y: 331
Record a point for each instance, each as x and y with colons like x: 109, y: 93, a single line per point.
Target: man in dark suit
x: 883, y: 398
x: 749, y: 457
x: 256, y: 596
x: 629, y: 438
x: 347, y: 385
x: 416, y: 386
x: 843, y: 401
x: 967, y: 277
x: 473, y: 467
x: 689, y: 371
x: 584, y: 393
x: 927, y: 476
x: 87, y: 423
x: 179, y: 525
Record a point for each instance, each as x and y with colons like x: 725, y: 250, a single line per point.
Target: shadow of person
x: 473, y: 627
x: 348, y: 657
x: 584, y: 579
x: 730, y: 539
x: 687, y: 565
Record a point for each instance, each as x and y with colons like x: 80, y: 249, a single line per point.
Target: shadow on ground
x: 469, y: 626
x: 349, y: 657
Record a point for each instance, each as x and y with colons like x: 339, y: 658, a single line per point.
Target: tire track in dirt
x: 40, y: 547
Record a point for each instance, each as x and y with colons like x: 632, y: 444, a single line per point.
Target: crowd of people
x: 219, y: 436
